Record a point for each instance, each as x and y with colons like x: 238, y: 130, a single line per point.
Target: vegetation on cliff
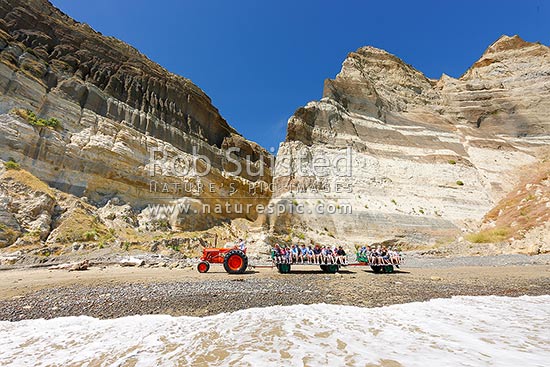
x: 33, y: 119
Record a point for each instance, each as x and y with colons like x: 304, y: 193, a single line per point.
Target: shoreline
x: 112, y: 292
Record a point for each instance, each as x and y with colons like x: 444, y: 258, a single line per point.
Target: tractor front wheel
x: 235, y: 262
x: 203, y: 266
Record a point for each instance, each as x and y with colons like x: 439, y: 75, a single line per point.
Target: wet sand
x: 120, y: 291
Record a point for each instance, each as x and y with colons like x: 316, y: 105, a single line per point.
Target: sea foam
x: 461, y: 331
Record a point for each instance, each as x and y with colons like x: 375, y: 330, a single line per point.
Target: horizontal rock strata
x: 427, y: 156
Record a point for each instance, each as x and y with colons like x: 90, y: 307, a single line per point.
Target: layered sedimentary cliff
x: 425, y: 157
x: 386, y: 154
x: 115, y: 109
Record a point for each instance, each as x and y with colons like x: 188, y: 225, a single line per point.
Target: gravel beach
x: 109, y: 292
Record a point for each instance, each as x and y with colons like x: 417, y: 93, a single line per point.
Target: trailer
x: 284, y: 266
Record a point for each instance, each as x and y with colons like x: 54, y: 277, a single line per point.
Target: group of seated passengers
x: 311, y: 254
x: 380, y: 255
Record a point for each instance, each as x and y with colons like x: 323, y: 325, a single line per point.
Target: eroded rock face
x: 115, y: 107
x: 26, y: 206
x: 104, y: 75
x: 427, y: 157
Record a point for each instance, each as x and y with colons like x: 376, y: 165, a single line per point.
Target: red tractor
x: 234, y: 260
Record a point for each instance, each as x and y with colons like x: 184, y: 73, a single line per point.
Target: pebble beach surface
x: 112, y: 291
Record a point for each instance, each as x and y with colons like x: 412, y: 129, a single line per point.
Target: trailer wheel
x: 375, y: 268
x: 283, y: 268
x: 330, y: 268
x: 203, y: 266
x: 235, y: 262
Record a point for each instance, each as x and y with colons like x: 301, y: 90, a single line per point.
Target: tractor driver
x: 241, y: 245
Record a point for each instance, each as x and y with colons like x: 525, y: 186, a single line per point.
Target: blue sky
x: 260, y: 60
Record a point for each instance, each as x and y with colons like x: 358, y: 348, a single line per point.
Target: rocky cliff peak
x: 508, y: 56
x: 505, y: 43
x: 373, y: 63
x: 374, y: 81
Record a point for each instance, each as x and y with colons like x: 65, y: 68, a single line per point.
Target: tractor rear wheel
x: 235, y: 262
x: 203, y: 266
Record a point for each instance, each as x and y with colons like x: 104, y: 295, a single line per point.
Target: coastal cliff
x: 101, y: 147
x: 121, y: 121
x: 112, y: 134
x: 427, y: 158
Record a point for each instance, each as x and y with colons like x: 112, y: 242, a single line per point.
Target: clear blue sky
x: 260, y: 60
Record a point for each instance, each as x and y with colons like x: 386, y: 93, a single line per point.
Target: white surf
x: 461, y: 331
